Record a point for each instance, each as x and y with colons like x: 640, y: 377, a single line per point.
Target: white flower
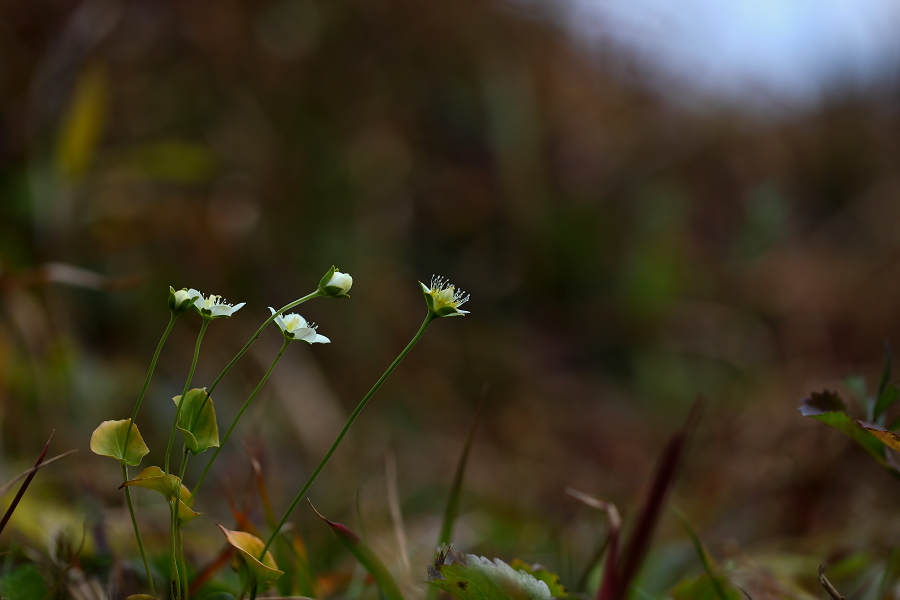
x: 213, y: 306
x: 180, y: 300
x: 443, y: 298
x: 295, y: 327
x: 335, y: 284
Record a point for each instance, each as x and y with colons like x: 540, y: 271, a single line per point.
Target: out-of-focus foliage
x: 624, y: 253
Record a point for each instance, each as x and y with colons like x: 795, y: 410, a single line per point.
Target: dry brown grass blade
x: 832, y: 591
x: 28, y: 478
x: 611, y: 545
x: 6, y: 486
x: 618, y: 576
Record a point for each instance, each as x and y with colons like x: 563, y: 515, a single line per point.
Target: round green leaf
x: 196, y: 424
x: 109, y: 440
x: 249, y: 547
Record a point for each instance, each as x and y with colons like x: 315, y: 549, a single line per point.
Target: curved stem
x: 249, y: 343
x: 237, y: 418
x: 343, y: 432
x: 187, y: 385
x: 137, y: 531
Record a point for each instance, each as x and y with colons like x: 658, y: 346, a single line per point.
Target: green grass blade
x: 456, y: 489
x: 366, y: 557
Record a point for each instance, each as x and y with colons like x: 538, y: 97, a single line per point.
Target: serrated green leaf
x: 828, y: 408
x: 262, y: 573
x: 481, y: 579
x: 196, y: 424
x: 366, y: 557
x: 109, y: 440
x: 557, y: 589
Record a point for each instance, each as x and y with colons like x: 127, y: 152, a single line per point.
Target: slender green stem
x: 187, y: 385
x: 184, y: 573
x: 240, y: 413
x: 176, y: 531
x: 137, y: 531
x: 431, y: 316
x: 174, y: 577
x: 134, y: 412
x: 250, y: 343
x: 140, y: 399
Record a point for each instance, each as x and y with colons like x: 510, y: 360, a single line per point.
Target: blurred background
x: 647, y: 202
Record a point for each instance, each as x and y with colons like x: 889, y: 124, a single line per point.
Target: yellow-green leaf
x: 197, y: 421
x: 153, y: 478
x: 185, y: 513
x: 249, y: 547
x: 109, y: 440
x: 557, y: 589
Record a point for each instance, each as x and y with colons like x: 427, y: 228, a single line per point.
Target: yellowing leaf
x: 889, y: 438
x: 153, y: 478
x: 249, y: 547
x: 557, y: 589
x: 109, y: 440
x: 185, y: 513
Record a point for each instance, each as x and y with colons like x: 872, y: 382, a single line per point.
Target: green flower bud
x: 335, y: 284
x: 181, y: 300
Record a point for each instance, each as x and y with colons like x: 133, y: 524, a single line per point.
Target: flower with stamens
x: 443, y: 299
x: 335, y: 284
x: 295, y: 327
x: 213, y: 306
x: 181, y: 300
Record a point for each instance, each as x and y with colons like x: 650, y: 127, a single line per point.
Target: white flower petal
x: 320, y: 339
x: 278, y: 320
x: 307, y: 334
